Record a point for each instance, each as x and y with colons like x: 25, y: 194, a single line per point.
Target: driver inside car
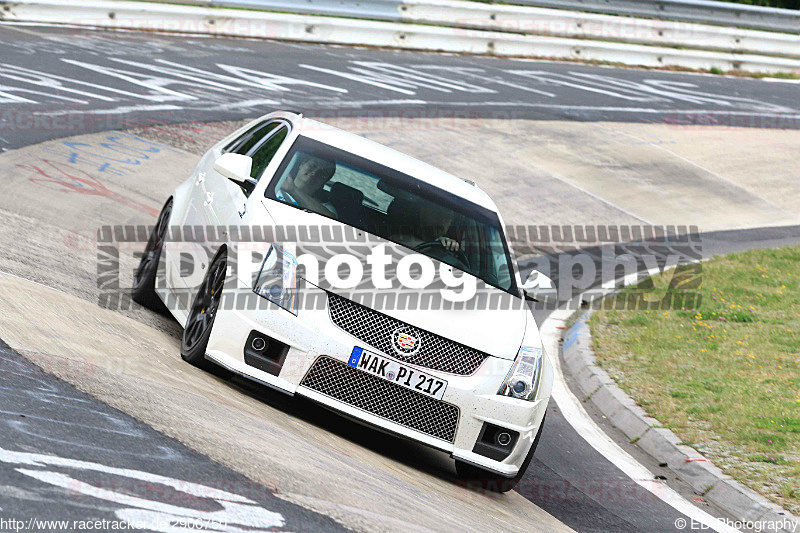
x: 304, y: 184
x: 432, y: 224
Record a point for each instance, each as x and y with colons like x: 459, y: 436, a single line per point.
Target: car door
x: 185, y: 254
x: 190, y: 256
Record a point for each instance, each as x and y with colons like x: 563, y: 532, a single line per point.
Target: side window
x: 263, y: 153
x: 245, y: 142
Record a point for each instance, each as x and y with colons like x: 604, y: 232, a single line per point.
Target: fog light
x: 258, y: 344
x: 503, y: 438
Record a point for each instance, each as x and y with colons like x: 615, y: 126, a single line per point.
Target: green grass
x: 725, y: 375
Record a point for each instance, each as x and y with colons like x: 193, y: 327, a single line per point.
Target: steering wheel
x: 435, y: 246
x: 289, y: 197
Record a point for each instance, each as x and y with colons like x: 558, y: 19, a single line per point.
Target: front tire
x: 202, y: 313
x: 486, y: 480
x: 144, y: 279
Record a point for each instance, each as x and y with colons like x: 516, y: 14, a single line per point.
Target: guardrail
x: 296, y: 27
x: 705, y: 11
x: 542, y: 21
x: 365, y: 9
x: 574, y: 25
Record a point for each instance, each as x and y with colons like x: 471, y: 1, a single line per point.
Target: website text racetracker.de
x: 157, y: 524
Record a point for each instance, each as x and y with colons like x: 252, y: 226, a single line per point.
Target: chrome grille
x: 374, y: 328
x: 383, y: 398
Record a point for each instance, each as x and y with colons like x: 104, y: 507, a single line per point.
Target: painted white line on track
x: 222, y: 107
x: 582, y: 422
x: 112, y: 111
x: 129, y: 109
x: 579, y: 419
x: 232, y: 510
x: 355, y: 77
x: 790, y: 113
x: 244, y: 103
x: 381, y: 102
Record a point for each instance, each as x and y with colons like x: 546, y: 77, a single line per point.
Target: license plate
x: 397, y: 372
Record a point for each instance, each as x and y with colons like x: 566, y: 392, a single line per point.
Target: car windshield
x: 356, y: 191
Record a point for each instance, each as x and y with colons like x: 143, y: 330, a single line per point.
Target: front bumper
x: 312, y: 337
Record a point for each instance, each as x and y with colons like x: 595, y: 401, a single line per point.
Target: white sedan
x: 322, y: 264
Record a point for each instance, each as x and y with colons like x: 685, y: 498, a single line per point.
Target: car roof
x: 368, y: 149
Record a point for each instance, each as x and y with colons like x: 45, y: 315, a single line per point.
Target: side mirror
x: 235, y: 167
x: 540, y: 288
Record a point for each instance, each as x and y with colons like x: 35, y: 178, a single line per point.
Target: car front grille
x: 376, y: 329
x: 383, y: 398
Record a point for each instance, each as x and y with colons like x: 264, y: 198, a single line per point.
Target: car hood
x: 492, y: 321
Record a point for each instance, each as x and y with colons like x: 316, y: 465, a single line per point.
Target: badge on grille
x: 405, y: 341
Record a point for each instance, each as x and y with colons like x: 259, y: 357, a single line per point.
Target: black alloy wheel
x: 203, y: 311
x: 144, y: 279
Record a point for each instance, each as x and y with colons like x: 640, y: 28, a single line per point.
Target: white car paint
x: 207, y: 198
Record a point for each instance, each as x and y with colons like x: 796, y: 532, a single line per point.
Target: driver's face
x: 312, y: 174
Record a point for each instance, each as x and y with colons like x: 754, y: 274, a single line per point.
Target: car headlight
x: 523, y: 379
x: 277, y: 279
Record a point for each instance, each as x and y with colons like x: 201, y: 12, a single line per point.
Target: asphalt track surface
x: 68, y: 444
x: 60, y: 82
